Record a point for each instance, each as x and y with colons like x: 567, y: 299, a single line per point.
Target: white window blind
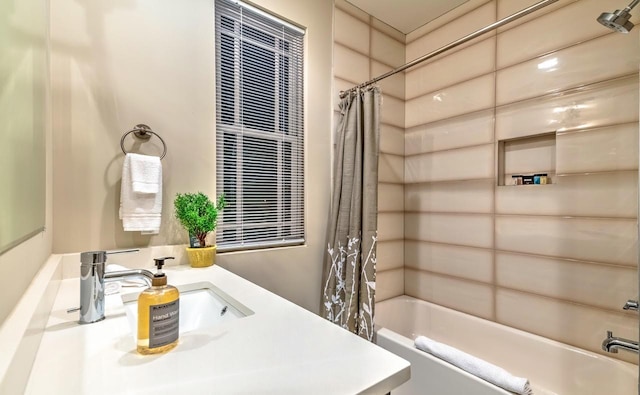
x: 259, y: 150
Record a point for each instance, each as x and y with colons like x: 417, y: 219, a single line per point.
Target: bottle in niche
x: 158, y: 314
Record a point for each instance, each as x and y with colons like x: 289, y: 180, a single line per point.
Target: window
x: 259, y: 150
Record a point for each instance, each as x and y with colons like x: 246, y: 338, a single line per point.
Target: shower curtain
x: 348, y: 281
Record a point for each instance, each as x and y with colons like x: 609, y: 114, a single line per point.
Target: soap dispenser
x: 158, y: 314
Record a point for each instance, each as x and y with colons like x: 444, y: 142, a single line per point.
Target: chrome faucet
x: 631, y: 305
x: 612, y: 344
x: 92, y: 279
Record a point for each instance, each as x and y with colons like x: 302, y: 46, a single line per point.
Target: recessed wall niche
x: 527, y: 156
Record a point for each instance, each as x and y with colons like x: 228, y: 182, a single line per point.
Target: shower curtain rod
x: 452, y: 45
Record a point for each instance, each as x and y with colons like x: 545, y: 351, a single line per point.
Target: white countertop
x: 280, y: 349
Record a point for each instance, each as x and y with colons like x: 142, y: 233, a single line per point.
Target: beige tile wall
x: 556, y: 260
x: 364, y: 48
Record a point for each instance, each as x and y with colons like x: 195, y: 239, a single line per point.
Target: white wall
x: 117, y: 64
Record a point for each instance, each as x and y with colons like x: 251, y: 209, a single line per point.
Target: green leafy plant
x: 197, y: 214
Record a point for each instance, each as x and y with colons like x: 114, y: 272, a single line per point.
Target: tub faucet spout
x: 631, y: 305
x: 612, y: 344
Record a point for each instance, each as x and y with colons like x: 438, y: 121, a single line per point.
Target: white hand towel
x: 145, y: 173
x: 139, y: 211
x: 475, y: 366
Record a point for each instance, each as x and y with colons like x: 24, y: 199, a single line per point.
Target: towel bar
x: 143, y: 132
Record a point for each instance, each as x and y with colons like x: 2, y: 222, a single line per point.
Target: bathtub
x: 550, y: 366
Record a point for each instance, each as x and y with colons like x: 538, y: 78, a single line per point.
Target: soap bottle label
x: 164, y: 323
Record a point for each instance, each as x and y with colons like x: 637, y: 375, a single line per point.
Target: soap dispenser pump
x: 158, y: 314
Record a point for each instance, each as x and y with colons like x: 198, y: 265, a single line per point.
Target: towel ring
x: 143, y: 132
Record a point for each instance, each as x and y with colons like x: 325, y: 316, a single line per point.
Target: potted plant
x: 199, y: 216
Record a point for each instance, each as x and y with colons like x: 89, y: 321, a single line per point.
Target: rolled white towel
x: 475, y: 366
x: 125, y: 282
x: 112, y: 288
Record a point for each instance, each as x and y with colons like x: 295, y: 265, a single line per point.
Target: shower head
x: 619, y: 20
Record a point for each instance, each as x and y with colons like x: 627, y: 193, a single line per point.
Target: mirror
x: 23, y: 120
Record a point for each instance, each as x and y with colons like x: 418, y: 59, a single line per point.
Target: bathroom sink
x: 202, y: 305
